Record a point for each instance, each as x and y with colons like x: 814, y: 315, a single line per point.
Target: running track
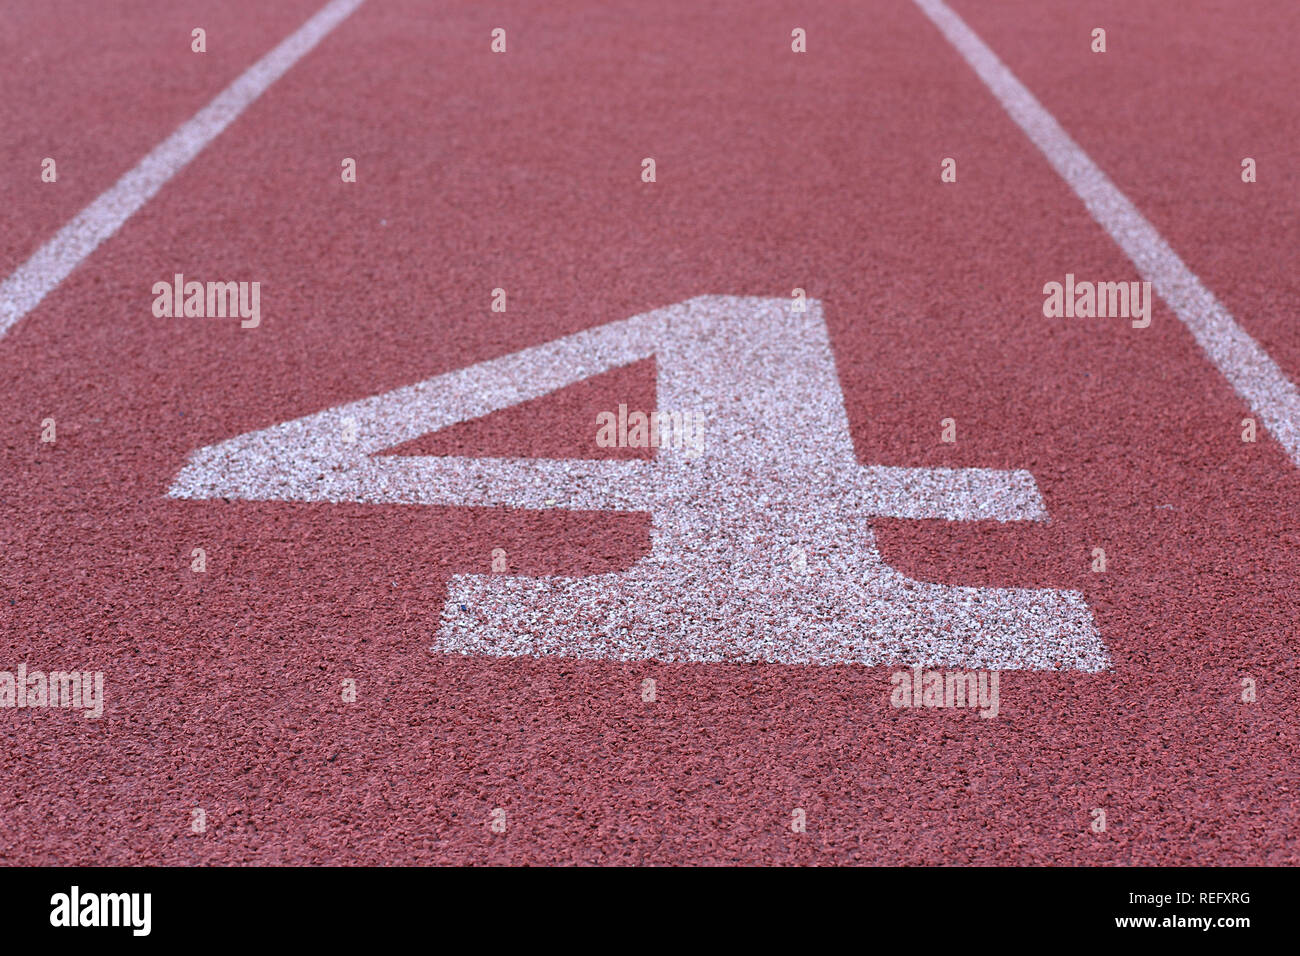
x: 522, y: 171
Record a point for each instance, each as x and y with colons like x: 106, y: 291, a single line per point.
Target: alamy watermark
x: 1100, y: 300
x: 215, y: 300
x: 75, y: 908
x: 80, y: 689
x: 680, y: 430
x: 921, y: 688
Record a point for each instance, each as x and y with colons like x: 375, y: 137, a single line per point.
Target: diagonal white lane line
x: 53, y: 262
x: 1272, y: 397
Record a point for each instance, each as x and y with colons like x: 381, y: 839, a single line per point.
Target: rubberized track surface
x: 521, y: 171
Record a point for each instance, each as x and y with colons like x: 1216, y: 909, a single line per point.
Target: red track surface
x: 522, y: 171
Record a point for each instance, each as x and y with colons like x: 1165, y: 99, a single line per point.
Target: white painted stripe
x: 53, y: 262
x: 955, y: 494
x: 1246, y: 366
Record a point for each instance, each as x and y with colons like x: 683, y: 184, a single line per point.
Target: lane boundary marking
x: 1249, y: 369
x: 54, y: 261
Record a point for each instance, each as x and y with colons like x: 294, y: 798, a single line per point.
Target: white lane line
x: 53, y: 262
x: 1246, y: 366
